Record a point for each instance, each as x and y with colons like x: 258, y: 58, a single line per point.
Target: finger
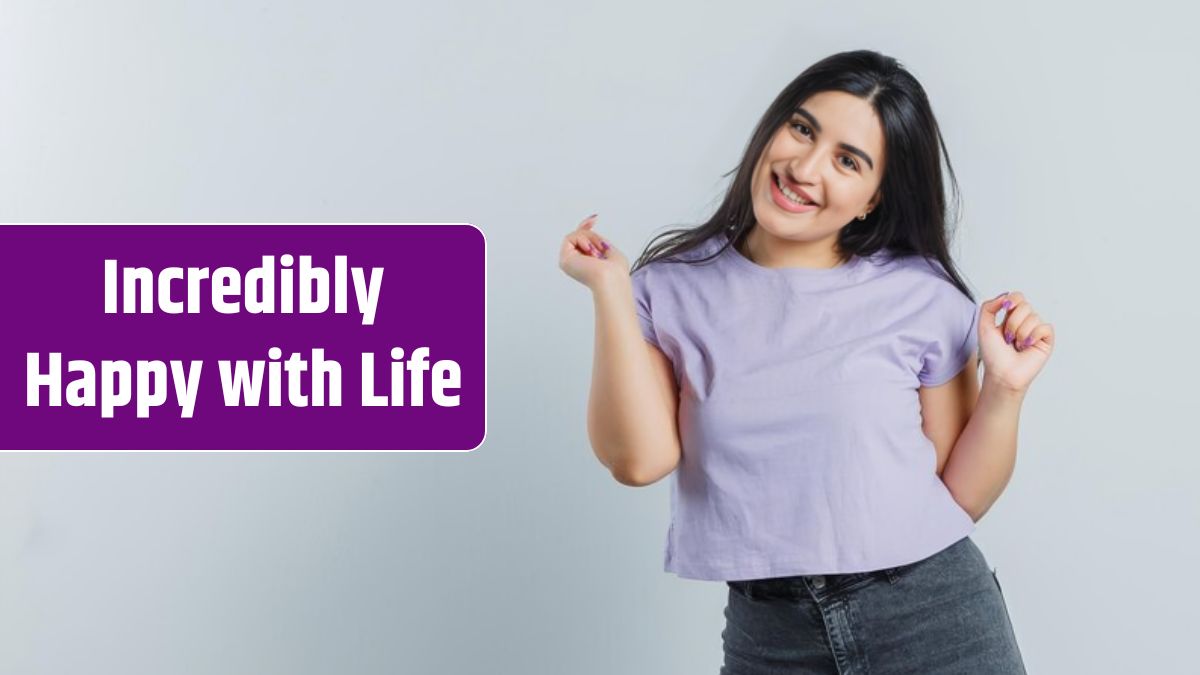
x: 992, y: 307
x: 1045, y: 333
x: 582, y: 242
x: 585, y: 246
x: 998, y: 303
x: 1016, y: 299
x: 1013, y: 320
x: 1041, y: 333
x: 592, y: 243
x: 572, y: 245
x: 600, y: 245
x: 591, y: 247
x: 576, y: 241
x: 1024, y: 333
x: 588, y: 222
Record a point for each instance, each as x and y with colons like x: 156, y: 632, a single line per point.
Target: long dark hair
x: 911, y: 218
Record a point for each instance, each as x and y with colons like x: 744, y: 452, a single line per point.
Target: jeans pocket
x: 1003, y: 601
x: 736, y: 635
x: 1009, y: 625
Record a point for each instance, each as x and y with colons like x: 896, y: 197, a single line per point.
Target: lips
x: 796, y: 188
x: 786, y: 203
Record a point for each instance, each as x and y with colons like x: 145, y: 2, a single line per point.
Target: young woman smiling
x: 805, y: 365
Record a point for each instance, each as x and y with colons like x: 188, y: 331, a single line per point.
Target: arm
x: 984, y: 456
x: 633, y: 401
x: 1013, y: 352
x: 975, y: 433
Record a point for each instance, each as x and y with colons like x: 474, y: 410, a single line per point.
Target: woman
x: 809, y: 375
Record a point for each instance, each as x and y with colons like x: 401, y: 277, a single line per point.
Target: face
x: 830, y: 153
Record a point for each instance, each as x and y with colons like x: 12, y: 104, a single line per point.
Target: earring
x: 863, y: 217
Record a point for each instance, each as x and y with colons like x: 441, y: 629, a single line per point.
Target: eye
x: 805, y: 131
x: 801, y: 126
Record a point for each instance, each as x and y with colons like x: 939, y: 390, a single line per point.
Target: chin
x: 779, y: 223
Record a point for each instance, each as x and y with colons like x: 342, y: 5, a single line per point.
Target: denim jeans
x: 943, y: 614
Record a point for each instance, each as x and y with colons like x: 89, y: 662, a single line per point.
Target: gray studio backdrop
x: 1071, y: 129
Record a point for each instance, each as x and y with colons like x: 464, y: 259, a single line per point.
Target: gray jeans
x: 943, y: 614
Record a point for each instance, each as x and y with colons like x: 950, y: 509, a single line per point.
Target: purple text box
x: 428, y: 301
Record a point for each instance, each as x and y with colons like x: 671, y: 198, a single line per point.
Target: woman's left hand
x: 1013, y: 352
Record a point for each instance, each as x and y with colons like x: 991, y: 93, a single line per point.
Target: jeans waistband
x: 803, y: 585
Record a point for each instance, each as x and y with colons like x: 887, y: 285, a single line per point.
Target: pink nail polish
x: 1006, y: 305
x: 1008, y: 337
x: 1028, y: 341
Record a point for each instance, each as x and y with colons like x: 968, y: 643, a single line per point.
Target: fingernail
x: 604, y: 244
x: 1028, y: 341
x: 1008, y: 337
x: 1006, y: 305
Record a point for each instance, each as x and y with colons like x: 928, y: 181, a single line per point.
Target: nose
x: 805, y: 167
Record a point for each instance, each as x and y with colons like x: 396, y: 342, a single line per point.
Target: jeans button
x: 818, y: 581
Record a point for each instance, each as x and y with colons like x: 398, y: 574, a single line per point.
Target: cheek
x: 759, y: 182
x: 841, y: 197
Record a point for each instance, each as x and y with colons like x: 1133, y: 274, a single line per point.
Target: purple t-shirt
x: 799, y: 418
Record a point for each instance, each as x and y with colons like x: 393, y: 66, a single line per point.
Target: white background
x: 1073, y: 133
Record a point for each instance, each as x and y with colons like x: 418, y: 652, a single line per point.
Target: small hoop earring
x: 863, y: 217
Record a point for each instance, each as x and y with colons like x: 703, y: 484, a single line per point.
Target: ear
x: 871, y: 205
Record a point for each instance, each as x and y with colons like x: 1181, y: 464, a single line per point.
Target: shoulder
x: 927, y: 277
x: 935, y: 304
x: 948, y: 317
x: 918, y: 267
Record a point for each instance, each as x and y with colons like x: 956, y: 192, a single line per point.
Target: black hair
x: 911, y: 218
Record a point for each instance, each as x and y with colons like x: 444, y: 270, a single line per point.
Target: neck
x: 770, y: 251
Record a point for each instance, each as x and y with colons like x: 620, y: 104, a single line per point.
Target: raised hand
x: 1015, y: 351
x: 588, y: 258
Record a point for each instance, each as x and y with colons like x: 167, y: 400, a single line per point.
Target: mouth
x: 790, y: 199
x: 795, y: 194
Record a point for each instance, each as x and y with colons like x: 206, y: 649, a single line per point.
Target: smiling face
x: 830, y: 153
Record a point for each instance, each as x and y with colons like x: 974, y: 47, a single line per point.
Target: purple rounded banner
x: 243, y: 337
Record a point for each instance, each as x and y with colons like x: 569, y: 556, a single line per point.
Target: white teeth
x: 788, y: 193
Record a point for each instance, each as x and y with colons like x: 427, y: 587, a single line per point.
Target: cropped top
x: 799, y: 417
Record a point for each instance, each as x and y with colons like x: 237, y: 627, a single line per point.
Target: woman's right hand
x: 587, y: 258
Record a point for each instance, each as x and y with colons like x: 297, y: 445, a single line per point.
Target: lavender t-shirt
x: 799, y: 418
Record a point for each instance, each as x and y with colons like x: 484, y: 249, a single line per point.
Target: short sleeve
x: 642, y: 288
x: 953, y: 327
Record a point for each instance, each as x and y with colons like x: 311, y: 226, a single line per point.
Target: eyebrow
x: 845, y: 146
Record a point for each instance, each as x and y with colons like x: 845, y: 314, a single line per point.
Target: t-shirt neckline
x: 802, y: 274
